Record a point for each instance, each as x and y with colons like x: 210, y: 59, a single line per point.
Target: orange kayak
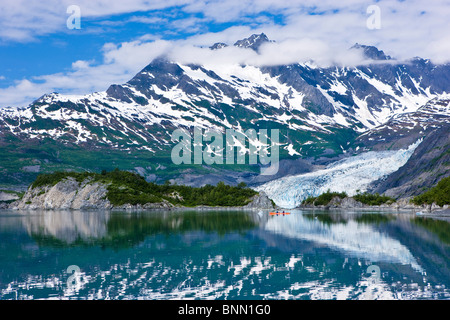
x: 278, y: 213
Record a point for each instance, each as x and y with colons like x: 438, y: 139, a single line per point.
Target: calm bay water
x: 223, y: 255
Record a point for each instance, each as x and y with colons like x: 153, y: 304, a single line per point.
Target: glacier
x: 346, y: 175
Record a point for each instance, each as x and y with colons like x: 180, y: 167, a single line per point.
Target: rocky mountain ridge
x: 323, y: 114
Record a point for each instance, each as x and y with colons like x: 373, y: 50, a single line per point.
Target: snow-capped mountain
x: 429, y: 163
x: 319, y: 111
x: 404, y: 128
x: 252, y: 42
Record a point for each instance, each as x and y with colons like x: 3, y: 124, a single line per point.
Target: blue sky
x: 39, y: 54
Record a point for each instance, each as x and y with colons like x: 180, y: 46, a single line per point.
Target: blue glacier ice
x: 349, y: 175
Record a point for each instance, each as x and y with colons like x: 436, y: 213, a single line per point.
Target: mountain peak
x: 218, y: 45
x: 252, y: 42
x: 371, y: 52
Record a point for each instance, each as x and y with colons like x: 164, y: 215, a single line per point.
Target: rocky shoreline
x: 69, y: 194
x: 402, y: 204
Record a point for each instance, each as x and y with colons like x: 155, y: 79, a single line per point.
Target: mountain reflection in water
x: 222, y: 255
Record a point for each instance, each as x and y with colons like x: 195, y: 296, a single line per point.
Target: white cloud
x: 24, y: 20
x: 120, y: 63
x: 406, y: 25
x: 283, y: 52
x: 408, y: 28
x: 80, y: 65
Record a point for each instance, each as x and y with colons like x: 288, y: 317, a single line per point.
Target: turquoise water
x: 223, y: 255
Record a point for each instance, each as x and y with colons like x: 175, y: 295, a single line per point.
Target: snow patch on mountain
x: 346, y: 175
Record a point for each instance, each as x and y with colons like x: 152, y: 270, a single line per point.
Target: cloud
x: 285, y: 52
x: 26, y: 20
x: 147, y: 20
x: 408, y: 28
x: 303, y: 30
x: 120, y: 63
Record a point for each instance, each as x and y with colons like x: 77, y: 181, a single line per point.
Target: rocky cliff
x: 66, y: 194
x: 400, y: 204
x: 74, y: 195
x: 261, y: 201
x: 92, y: 195
x: 429, y: 163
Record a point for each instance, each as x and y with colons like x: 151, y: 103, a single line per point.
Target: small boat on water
x: 278, y: 213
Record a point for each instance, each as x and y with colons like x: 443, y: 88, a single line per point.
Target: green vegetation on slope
x: 50, y: 179
x: 130, y: 188
x: 324, y: 198
x: 366, y: 198
x: 373, y: 199
x: 440, y: 194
